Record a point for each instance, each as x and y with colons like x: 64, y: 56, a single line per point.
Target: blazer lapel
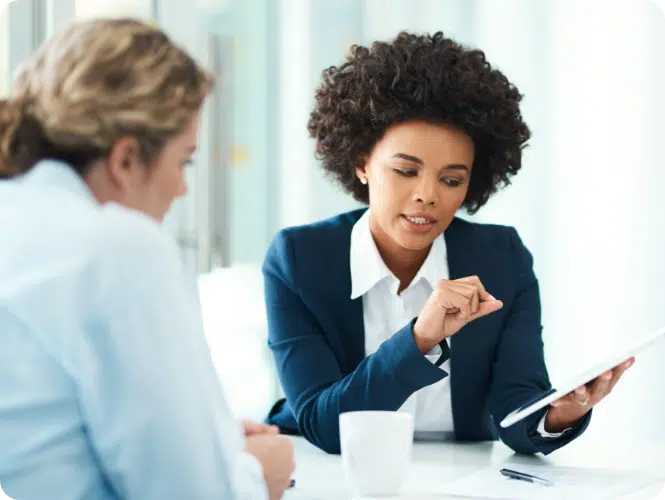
x: 460, y: 254
x: 355, y: 331
x: 352, y: 321
x: 462, y: 262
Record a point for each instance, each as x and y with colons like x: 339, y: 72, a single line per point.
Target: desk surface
x: 319, y: 476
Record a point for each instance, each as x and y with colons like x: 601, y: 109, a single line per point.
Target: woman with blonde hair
x: 107, y: 390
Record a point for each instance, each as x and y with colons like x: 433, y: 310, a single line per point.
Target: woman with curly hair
x: 403, y: 306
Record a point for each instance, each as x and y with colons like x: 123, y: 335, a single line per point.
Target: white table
x: 319, y: 476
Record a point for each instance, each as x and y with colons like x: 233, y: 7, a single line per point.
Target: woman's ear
x: 361, y: 169
x: 124, y: 161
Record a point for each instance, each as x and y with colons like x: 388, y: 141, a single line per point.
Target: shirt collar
x: 57, y: 174
x: 368, y: 268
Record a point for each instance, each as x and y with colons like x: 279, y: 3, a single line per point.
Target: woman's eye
x: 452, y: 182
x: 406, y: 172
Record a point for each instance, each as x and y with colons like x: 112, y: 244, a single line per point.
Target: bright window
x: 96, y: 8
x: 5, y: 76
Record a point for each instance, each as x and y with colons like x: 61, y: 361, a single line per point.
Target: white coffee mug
x: 376, y: 451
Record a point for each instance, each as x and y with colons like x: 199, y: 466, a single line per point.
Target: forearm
x: 383, y: 381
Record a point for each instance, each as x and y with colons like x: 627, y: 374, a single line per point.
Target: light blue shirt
x: 107, y: 388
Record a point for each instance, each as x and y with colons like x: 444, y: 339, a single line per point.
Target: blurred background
x: 588, y: 202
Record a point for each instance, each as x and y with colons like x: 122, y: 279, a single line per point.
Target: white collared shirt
x: 385, y: 312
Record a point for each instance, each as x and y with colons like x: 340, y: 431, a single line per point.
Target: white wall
x: 603, y: 274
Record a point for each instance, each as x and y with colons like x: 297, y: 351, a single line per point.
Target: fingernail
x: 580, y: 390
x: 492, y: 298
x: 607, y: 376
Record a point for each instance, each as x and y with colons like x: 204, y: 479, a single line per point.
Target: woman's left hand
x: 568, y: 410
x: 254, y: 429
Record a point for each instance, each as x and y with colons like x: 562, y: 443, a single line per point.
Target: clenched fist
x: 452, y: 305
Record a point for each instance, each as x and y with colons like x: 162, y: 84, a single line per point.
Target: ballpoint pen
x: 522, y: 476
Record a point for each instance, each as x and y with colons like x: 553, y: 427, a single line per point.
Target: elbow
x: 323, y: 435
x: 520, y: 446
x: 522, y: 449
x: 517, y: 439
x: 325, y: 441
x: 331, y: 448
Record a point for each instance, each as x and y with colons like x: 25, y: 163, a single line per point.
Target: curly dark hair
x: 418, y: 77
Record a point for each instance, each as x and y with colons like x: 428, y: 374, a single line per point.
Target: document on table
x: 597, y: 484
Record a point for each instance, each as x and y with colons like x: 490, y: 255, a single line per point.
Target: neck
x: 99, y: 183
x: 402, y: 262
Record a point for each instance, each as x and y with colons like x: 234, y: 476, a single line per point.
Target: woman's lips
x: 420, y: 223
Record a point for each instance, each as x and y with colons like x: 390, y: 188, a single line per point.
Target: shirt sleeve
x: 153, y: 405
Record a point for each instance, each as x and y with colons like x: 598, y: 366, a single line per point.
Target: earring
x: 363, y: 180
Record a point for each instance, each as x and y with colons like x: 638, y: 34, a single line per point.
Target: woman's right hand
x: 451, y: 306
x: 276, y: 455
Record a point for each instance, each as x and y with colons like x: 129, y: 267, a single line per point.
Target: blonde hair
x: 93, y: 83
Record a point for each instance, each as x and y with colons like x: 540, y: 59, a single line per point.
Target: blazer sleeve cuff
x: 411, y: 368
x: 440, y: 353
x: 547, y: 445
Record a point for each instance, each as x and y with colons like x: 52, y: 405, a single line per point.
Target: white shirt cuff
x: 549, y: 435
x: 434, y: 355
x: 436, y: 351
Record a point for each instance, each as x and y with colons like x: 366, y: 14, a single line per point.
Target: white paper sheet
x: 569, y: 482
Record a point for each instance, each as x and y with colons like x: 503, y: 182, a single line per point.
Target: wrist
x: 560, y: 419
x: 424, y: 345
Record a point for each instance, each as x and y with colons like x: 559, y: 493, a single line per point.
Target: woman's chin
x: 415, y: 242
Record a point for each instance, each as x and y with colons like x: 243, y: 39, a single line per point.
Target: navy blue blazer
x: 316, y: 334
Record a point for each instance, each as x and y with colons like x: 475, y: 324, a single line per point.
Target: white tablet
x: 545, y: 398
